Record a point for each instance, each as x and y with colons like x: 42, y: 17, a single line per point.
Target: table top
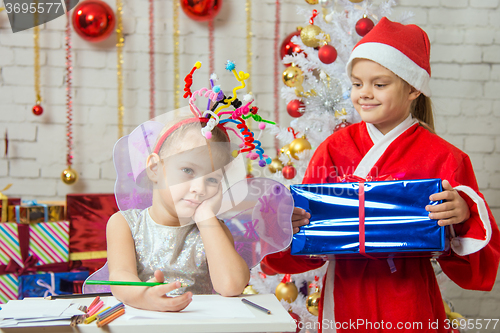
x: 250, y: 320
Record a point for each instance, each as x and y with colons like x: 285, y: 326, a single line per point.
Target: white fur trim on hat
x: 395, y: 61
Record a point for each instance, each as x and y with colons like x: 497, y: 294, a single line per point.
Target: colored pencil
x: 113, y: 309
x: 94, y: 316
x: 78, y: 295
x: 110, y: 318
x: 110, y: 312
x: 96, y: 308
x: 129, y: 283
x: 244, y: 300
x: 94, y: 302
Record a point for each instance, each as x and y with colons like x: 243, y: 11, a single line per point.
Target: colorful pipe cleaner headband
x: 213, y: 115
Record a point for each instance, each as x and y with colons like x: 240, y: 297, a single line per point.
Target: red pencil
x: 94, y: 302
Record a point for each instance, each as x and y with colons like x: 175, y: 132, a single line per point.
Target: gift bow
x: 28, y: 266
x: 350, y: 178
x: 51, y: 288
x: 33, y: 203
x: 361, y: 194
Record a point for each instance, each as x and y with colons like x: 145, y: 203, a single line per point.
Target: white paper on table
x: 34, y: 308
x: 201, y: 307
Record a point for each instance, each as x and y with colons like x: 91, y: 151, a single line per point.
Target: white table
x: 278, y: 321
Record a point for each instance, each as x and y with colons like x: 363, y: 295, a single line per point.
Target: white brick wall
x: 465, y: 36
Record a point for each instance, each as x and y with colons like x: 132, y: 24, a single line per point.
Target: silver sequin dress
x: 177, y: 251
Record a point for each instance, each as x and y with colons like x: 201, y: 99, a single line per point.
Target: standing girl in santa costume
x: 390, y: 72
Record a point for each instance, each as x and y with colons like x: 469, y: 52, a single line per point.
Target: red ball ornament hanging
x: 327, y: 54
x: 296, y: 319
x: 93, y: 20
x: 342, y: 125
x: 294, y: 108
x: 364, y: 26
x: 37, y: 110
x: 289, y: 48
x: 201, y: 10
x: 289, y: 171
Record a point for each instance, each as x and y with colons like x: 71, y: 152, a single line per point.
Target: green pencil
x: 129, y: 283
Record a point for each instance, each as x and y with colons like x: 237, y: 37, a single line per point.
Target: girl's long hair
x: 422, y: 110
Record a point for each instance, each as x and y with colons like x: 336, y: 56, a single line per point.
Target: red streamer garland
x: 276, y: 71
x: 151, y: 61
x: 69, y: 101
x: 211, y: 65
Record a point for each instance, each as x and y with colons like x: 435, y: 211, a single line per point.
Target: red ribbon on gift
x: 29, y: 261
x: 361, y: 195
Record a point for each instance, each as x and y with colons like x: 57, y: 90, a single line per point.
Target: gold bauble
x: 285, y: 150
x: 249, y: 290
x: 286, y: 291
x: 312, y: 2
x: 356, y: 1
x: 299, y: 145
x: 69, y: 176
x: 308, y: 36
x: 312, y: 303
x: 276, y: 165
x: 293, y: 76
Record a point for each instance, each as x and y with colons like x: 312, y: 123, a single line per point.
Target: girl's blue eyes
x: 213, y: 180
x: 376, y: 85
x: 190, y: 172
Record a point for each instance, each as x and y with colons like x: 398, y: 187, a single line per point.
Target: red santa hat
x: 403, y: 49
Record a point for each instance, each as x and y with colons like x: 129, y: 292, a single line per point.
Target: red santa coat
x: 367, y: 297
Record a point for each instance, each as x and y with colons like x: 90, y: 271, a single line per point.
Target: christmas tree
x: 316, y: 88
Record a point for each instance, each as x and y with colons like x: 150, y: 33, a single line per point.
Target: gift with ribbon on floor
x: 369, y: 219
x: 31, y: 211
x: 30, y: 248
x: 51, y: 284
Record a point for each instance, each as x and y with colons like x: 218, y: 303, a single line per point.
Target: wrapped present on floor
x: 10, y: 251
x: 369, y: 219
x: 26, y: 249
x: 5, y: 202
x: 49, y: 242
x: 34, y: 212
x: 88, y: 215
x: 9, y: 287
x: 48, y: 284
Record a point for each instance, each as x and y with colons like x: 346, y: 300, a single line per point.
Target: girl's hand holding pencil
x: 159, y: 301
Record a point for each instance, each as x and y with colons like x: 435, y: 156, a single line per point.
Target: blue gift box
x: 47, y: 284
x: 395, y: 224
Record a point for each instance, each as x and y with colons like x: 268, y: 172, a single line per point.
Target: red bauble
x: 364, y: 26
x: 293, y: 108
x: 289, y: 48
x: 342, y: 125
x: 289, y: 171
x: 37, y: 110
x: 327, y: 54
x: 201, y: 10
x: 296, y: 318
x: 93, y: 20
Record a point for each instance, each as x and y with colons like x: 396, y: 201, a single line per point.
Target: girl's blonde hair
x: 422, y: 110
